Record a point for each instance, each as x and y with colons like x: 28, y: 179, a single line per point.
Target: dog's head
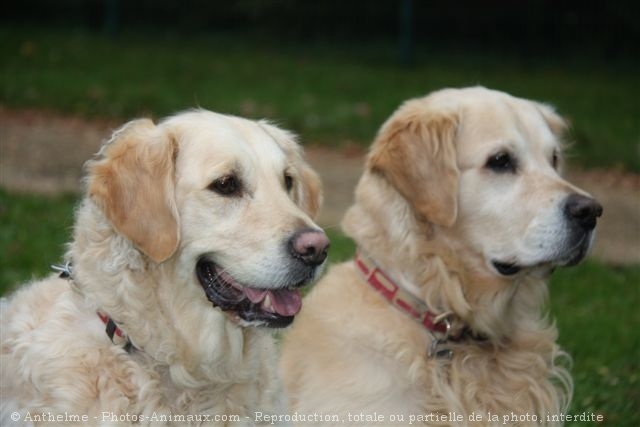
x: 222, y: 203
x: 482, y: 170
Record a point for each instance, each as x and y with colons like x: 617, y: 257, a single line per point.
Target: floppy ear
x: 133, y: 183
x: 311, y: 199
x: 415, y: 153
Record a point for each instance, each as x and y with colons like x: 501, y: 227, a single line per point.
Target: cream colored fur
x: 432, y: 216
x: 148, y: 185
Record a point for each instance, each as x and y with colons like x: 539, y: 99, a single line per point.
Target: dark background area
x: 607, y: 30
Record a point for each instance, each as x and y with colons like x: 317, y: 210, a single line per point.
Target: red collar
x: 398, y: 297
x: 115, y: 334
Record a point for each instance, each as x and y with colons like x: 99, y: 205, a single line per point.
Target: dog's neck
x: 113, y: 331
x: 113, y: 277
x: 421, y: 258
x: 443, y: 328
x: 388, y: 231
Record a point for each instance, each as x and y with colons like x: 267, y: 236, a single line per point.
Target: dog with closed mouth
x: 460, y: 217
x: 190, y: 244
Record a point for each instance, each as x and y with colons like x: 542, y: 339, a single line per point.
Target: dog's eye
x: 501, y: 162
x: 226, y: 186
x: 288, y: 182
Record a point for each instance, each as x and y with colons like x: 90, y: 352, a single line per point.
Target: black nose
x: 582, y: 210
x: 310, y: 246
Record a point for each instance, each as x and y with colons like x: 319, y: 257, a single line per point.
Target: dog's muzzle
x: 581, y: 214
x: 273, y: 307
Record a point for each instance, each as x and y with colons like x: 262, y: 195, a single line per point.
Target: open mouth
x: 274, y: 308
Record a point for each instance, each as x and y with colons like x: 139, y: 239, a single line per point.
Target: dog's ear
x: 556, y: 123
x: 308, y: 194
x: 311, y: 197
x: 132, y: 181
x: 415, y: 152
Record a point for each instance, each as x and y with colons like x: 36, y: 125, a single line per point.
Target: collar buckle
x: 65, y: 270
x: 434, y: 350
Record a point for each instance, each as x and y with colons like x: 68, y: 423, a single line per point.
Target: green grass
x: 596, y: 308
x: 329, y: 94
x: 595, y: 305
x: 33, y: 231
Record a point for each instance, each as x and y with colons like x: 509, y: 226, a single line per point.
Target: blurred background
x: 333, y: 71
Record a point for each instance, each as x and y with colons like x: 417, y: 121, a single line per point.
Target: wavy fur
x: 190, y: 358
x: 351, y: 352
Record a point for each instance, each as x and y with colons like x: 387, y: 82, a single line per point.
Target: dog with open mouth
x: 190, y: 245
x: 460, y: 217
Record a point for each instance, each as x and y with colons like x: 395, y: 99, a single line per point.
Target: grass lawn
x: 595, y: 305
x: 329, y: 94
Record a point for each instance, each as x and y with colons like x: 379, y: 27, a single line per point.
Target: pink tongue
x: 284, y: 302
x: 255, y: 295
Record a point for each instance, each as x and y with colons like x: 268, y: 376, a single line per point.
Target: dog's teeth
x: 267, y: 303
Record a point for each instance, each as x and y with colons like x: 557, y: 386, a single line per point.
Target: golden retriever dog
x: 460, y: 217
x: 189, y: 246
